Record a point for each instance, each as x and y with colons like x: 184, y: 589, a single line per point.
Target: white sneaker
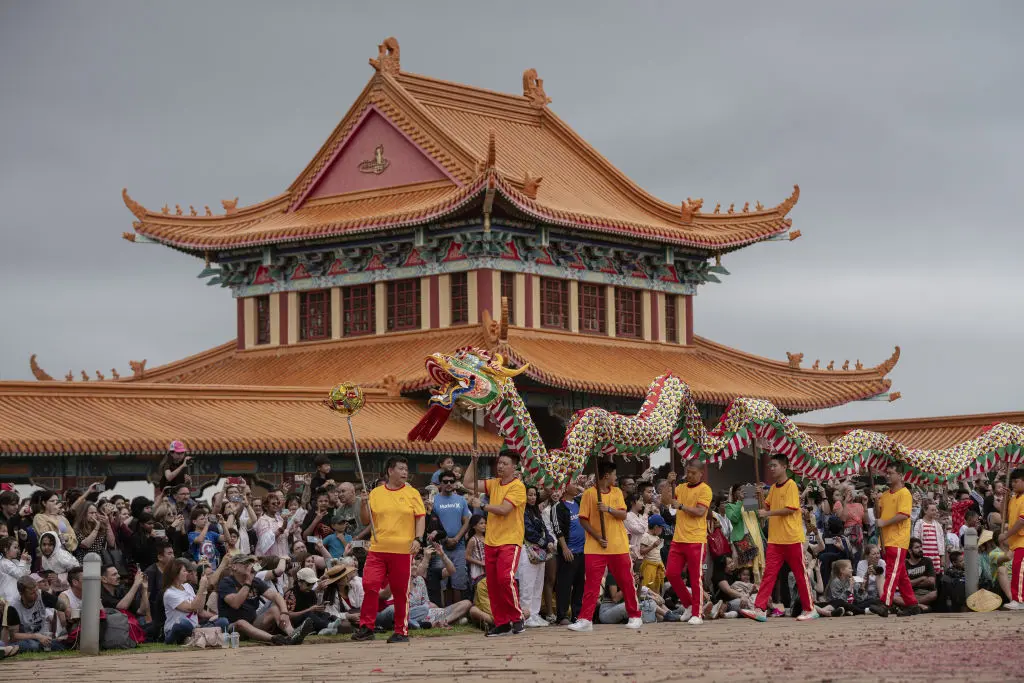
x: 695, y: 621
x: 635, y: 623
x: 581, y: 625
x: 535, y: 621
x: 1014, y: 605
x: 731, y: 615
x: 687, y: 613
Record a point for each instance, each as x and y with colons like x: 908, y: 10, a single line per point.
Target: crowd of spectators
x: 278, y: 567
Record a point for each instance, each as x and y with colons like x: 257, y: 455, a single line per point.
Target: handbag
x: 207, y: 636
x: 536, y: 554
x: 718, y: 544
x: 746, y: 551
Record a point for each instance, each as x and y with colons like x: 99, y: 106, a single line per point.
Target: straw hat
x: 984, y: 601
x: 337, y: 573
x: 985, y: 537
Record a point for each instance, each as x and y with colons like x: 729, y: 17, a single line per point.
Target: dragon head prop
x: 472, y: 378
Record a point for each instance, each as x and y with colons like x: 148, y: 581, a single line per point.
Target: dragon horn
x: 499, y: 362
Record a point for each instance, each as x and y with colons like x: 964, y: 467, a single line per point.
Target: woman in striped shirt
x: 933, y: 537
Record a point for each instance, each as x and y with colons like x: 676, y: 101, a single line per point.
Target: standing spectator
x: 994, y: 502
x: 14, y: 564
x: 9, y: 517
x: 50, y: 519
x: 271, y: 536
x: 174, y: 467
x: 933, y: 538
x: 636, y: 524
x: 400, y: 520
x: 691, y: 502
x: 1014, y: 537
x: 533, y: 561
x: 34, y: 630
x: 571, y: 568
x: 453, y: 512
x: 652, y: 569
x: 606, y: 548
x: 892, y: 510
x: 503, y: 543
x: 184, y: 503
x: 475, y: 557
x: 322, y: 474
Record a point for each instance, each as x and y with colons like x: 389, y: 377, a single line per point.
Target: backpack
x: 115, y: 632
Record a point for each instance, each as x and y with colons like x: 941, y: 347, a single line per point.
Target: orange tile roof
x: 716, y: 373
x: 56, y: 418
x: 926, y: 432
x: 454, y: 124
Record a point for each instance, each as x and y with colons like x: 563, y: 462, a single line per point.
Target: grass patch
x: 148, y: 648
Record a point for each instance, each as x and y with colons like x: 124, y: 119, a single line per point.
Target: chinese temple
x: 435, y: 216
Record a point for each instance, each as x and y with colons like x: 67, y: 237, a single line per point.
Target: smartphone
x: 159, y: 533
x: 100, y: 488
x: 235, y: 499
x: 312, y: 539
x: 360, y: 544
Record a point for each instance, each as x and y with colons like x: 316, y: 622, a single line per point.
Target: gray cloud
x: 902, y: 123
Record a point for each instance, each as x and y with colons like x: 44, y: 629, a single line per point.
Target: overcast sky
x: 903, y: 123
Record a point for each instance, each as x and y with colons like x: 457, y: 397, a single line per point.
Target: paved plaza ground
x: 966, y: 647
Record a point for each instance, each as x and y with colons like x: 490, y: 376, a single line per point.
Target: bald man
x: 348, y: 510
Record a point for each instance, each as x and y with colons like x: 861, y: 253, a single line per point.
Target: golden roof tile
x: 930, y: 433
x: 141, y: 419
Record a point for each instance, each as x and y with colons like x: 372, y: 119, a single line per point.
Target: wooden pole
x: 757, y: 471
x: 476, y: 474
x: 359, y: 464
x: 597, y: 487
x: 1006, y: 498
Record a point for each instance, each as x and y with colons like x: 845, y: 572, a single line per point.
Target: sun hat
x: 985, y: 537
x: 984, y: 601
x: 337, y: 573
x: 306, y: 575
x: 177, y: 447
x: 243, y: 559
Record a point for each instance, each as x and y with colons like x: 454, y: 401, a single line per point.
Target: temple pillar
x: 336, y: 313
x: 293, y: 317
x: 686, y: 319
x: 574, y: 306
x: 533, y: 297
x: 275, y: 319
x: 658, y: 317
x: 380, y: 304
x: 609, y: 292
x: 520, y: 302
x: 249, y: 321
x: 647, y: 319
x: 425, y: 302
x: 472, y: 291
x: 444, y: 300
x: 485, y: 294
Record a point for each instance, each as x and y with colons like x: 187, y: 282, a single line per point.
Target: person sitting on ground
x: 612, y: 609
x: 343, y: 594
x: 846, y: 597
x: 183, y: 605
x: 50, y: 518
x: 305, y: 601
x: 652, y: 569
x: 953, y: 584
x: 922, y: 576
x: 35, y: 628
x: 422, y: 612
x: 871, y: 571
x: 133, y: 600
x: 239, y: 594
x: 480, y: 612
x: 69, y: 602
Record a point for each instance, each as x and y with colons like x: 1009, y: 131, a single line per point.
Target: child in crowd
x: 652, y: 569
x: 847, y: 595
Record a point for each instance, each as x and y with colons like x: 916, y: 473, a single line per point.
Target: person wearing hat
x: 305, y: 601
x: 652, y: 569
x: 174, y: 466
x: 399, y: 519
x: 785, y: 541
x: 238, y: 596
x: 1014, y: 538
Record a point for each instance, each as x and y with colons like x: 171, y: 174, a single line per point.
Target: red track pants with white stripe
x: 793, y: 555
x: 896, y: 577
x: 621, y: 568
x: 1017, y: 576
x: 382, y: 569
x: 500, y: 563
x: 682, y: 556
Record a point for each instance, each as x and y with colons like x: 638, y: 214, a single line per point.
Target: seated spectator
x: 53, y: 556
x: 47, y: 583
x: 652, y: 569
x: 14, y: 564
x: 305, y: 601
x: 183, y: 605
x: 480, y: 612
x: 50, y: 518
x: 922, y: 576
x: 238, y: 601
x: 154, y: 579
x: 343, y: 593
x: 93, y: 531
x: 133, y: 600
x: 69, y: 602
x: 35, y: 627
x: 846, y: 597
x: 612, y: 609
x: 871, y: 571
x: 953, y: 585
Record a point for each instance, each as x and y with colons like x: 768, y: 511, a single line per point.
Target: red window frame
x: 593, y: 309
x: 359, y: 315
x: 459, y: 298
x: 263, y: 319
x: 403, y: 305
x: 629, y: 315
x: 554, y: 303
x: 315, y: 315
x: 670, y: 318
x: 508, y: 291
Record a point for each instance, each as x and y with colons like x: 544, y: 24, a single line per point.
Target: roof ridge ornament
x: 531, y: 185
x: 230, y: 205
x: 37, y: 371
x: 886, y: 366
x: 789, y: 202
x: 388, y: 54
x: 690, y: 208
x: 794, y: 359
x: 137, y: 209
x: 533, y: 89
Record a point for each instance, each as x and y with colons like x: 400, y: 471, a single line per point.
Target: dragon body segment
x: 476, y: 379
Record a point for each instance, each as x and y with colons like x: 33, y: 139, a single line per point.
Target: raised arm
x: 469, y: 479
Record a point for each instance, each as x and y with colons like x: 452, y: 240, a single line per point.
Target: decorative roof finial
x: 831, y: 365
x: 531, y: 185
x: 886, y: 366
x: 165, y: 210
x: 789, y: 202
x: 387, y: 61
x: 846, y: 365
x: 230, y: 205
x: 794, y: 359
x: 691, y: 207
x: 138, y: 368
x: 533, y: 88
x: 192, y: 210
x: 794, y: 234
x: 37, y: 371
x: 895, y: 396
x: 746, y: 207
x: 758, y: 207
x: 177, y: 210
x: 85, y: 376
x: 732, y: 208
x: 718, y: 208
x: 99, y: 376
x: 114, y: 373
x: 138, y: 209
x: 858, y: 365
x: 70, y: 377
x: 816, y: 365
x: 208, y: 212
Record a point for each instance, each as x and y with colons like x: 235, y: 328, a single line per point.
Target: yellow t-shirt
x: 614, y: 529
x: 481, y: 599
x: 394, y: 518
x: 891, y: 504
x: 1015, y: 512
x: 785, y: 528
x: 690, y: 529
x: 507, y: 530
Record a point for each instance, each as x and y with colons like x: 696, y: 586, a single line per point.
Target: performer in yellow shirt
x: 892, y: 515
x: 1014, y: 536
x: 785, y: 542
x: 610, y: 551
x: 503, y: 542
x: 399, y: 519
x: 692, y: 500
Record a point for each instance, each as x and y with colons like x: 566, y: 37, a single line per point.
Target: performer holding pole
x: 691, y: 499
x: 1014, y: 535
x: 401, y: 520
x: 503, y: 541
x: 892, y: 514
x: 609, y: 550
x: 785, y: 542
